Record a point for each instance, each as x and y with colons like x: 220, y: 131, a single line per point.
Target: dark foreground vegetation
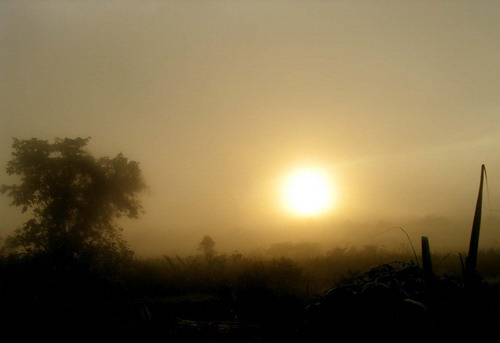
x: 233, y: 298
x: 68, y: 270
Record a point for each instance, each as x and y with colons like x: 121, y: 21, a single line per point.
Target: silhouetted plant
x: 427, y: 263
x: 471, y: 277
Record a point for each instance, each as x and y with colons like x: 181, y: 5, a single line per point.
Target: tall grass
x: 470, y: 277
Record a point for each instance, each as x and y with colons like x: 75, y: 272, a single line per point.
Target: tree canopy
x: 74, y: 199
x: 207, y: 247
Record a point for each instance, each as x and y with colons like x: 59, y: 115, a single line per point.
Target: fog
x: 218, y: 101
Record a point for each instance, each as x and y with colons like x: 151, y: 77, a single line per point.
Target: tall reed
x: 427, y: 260
x: 470, y: 276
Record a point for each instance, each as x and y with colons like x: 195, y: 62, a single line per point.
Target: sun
x: 308, y: 192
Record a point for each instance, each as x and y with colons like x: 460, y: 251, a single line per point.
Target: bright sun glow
x: 308, y: 192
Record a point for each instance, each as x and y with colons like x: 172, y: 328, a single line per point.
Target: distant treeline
x: 296, y: 268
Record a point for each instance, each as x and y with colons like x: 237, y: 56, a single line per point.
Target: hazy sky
x: 218, y: 100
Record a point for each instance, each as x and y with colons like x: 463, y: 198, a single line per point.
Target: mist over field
x: 447, y: 236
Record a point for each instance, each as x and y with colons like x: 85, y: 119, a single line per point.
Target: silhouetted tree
x: 74, y: 199
x: 207, y: 247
